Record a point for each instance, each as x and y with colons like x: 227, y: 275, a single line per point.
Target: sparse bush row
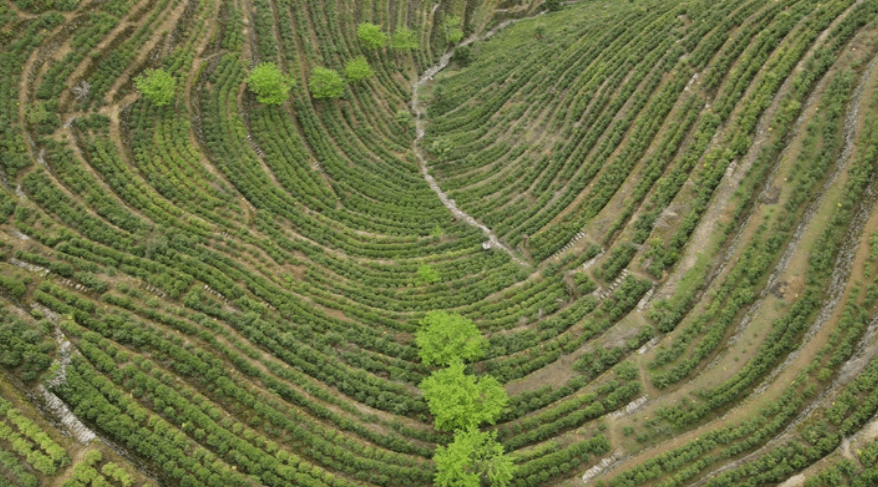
x: 758, y: 256
x: 28, y: 440
x: 821, y: 432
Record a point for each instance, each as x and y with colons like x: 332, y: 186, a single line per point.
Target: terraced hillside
x: 659, y: 215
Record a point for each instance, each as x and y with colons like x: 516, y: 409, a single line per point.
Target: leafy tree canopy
x: 470, y: 458
x: 157, y: 86
x: 405, y: 119
x: 371, y: 36
x: 445, y: 337
x: 453, y: 32
x: 403, y: 39
x: 460, y: 401
x: 358, y: 69
x: 463, y: 55
x: 326, y: 83
x: 427, y: 274
x: 553, y: 5
x: 269, y: 84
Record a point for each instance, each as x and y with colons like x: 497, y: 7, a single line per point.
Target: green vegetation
x: 26, y: 347
x: 470, y: 459
x: 460, y: 401
x: 446, y: 338
x: 428, y: 275
x: 30, y: 442
x: 403, y: 39
x: 269, y: 84
x: 655, y: 237
x: 552, y: 5
x: 325, y: 83
x: 371, y: 36
x: 453, y: 31
x: 358, y: 69
x: 157, y: 86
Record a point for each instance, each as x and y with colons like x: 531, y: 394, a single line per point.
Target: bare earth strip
x: 788, y: 370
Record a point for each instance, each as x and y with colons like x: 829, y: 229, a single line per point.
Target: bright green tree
x: 470, y: 458
x: 358, y: 69
x: 407, y: 121
x: 453, y: 32
x: 157, y: 86
x: 371, y: 36
x: 404, y: 39
x: 326, y: 83
x: 445, y: 337
x: 269, y: 84
x: 460, y: 401
x: 427, y: 274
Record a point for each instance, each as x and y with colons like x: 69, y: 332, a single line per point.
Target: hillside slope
x: 658, y: 213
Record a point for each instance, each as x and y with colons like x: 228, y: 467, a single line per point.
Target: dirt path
x: 170, y: 20
x: 783, y: 272
x: 706, y: 231
x: 846, y: 451
x: 866, y: 351
x: 420, y: 115
x: 109, y: 39
x: 559, y: 372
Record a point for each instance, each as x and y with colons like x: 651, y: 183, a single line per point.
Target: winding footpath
x: 420, y: 115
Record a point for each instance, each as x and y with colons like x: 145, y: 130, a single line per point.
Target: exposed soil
x: 815, y: 338
x: 722, y: 206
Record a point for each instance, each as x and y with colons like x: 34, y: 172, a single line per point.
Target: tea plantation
x: 467, y: 243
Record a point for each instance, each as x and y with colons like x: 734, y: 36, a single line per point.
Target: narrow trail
x: 859, y: 439
x: 420, y: 115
